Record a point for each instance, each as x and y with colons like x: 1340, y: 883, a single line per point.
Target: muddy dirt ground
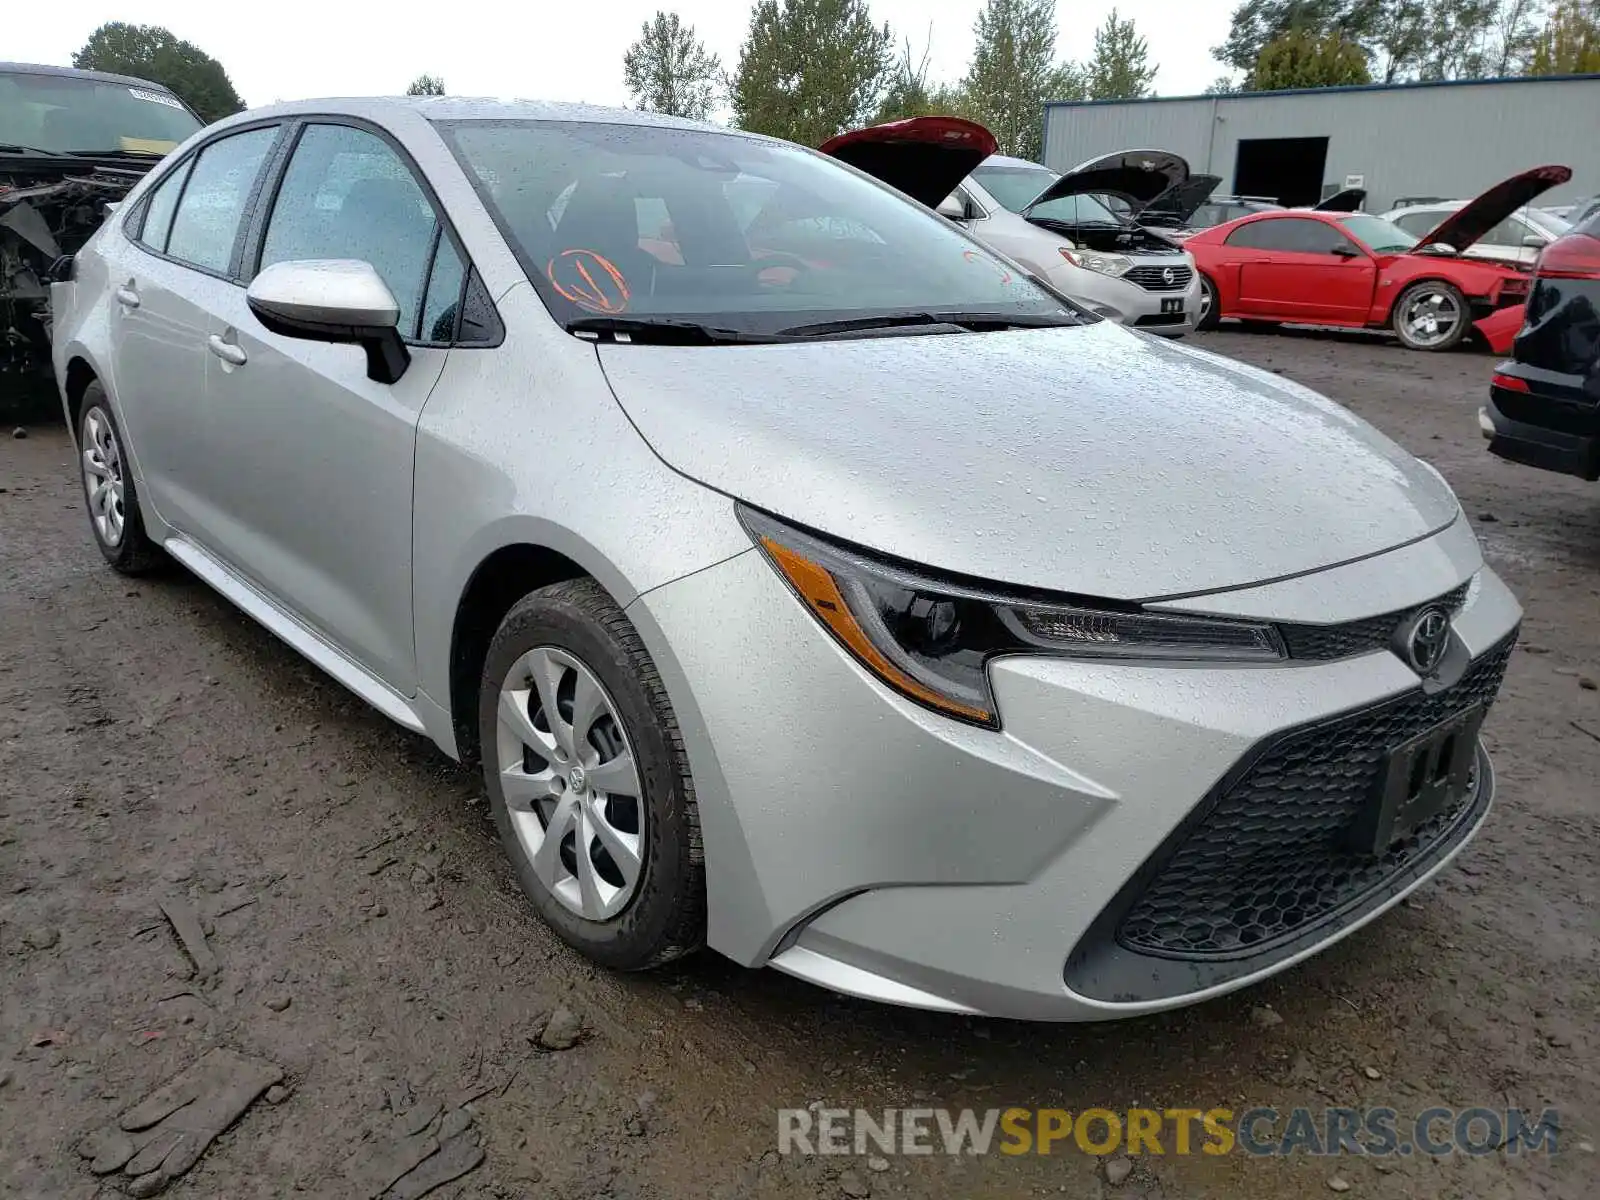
x: 156, y: 746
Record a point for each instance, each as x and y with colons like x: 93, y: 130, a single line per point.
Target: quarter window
x: 443, y: 304
x: 206, y: 223
x: 348, y: 194
x: 163, y: 202
x: 1419, y: 224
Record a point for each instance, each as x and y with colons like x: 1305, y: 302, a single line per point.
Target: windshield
x: 1552, y: 223
x: 1380, y: 236
x: 1013, y: 187
x: 68, y: 114
x: 648, y: 224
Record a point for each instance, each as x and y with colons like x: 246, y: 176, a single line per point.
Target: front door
x: 313, y: 490
x: 1303, y: 269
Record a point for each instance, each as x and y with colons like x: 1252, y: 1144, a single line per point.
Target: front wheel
x: 1431, y: 315
x: 588, y: 780
x: 1210, y: 310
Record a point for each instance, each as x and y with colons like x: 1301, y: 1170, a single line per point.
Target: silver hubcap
x: 570, y: 784
x: 1205, y: 300
x: 102, y: 477
x: 1431, y: 317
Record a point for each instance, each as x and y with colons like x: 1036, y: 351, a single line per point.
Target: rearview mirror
x: 953, y: 207
x: 333, y: 300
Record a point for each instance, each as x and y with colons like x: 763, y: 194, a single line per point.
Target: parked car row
x: 808, y: 579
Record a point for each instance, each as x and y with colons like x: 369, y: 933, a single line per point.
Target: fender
x: 1500, y: 328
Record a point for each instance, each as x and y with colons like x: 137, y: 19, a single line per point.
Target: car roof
x: 484, y: 108
x: 8, y: 68
x: 1004, y: 160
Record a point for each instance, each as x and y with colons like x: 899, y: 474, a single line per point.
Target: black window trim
x: 255, y: 239
x: 246, y: 210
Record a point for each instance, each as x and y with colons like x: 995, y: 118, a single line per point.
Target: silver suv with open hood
x: 1078, y: 232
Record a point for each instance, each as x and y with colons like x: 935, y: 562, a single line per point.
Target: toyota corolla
x: 808, y: 582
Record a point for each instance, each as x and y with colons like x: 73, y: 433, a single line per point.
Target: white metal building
x: 1443, y: 140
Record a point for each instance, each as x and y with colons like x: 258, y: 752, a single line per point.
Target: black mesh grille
x: 1154, y: 279
x: 1356, y: 637
x: 1270, y: 857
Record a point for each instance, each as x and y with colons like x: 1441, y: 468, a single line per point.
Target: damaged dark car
x: 71, y: 143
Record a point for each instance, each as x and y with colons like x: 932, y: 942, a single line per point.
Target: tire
x: 574, y: 633
x: 1415, y: 328
x: 1210, y: 311
x: 109, y: 492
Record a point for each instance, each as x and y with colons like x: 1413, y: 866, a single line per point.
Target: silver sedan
x: 808, y: 582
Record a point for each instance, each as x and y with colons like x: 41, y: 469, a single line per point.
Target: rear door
x: 168, y: 275
x: 1302, y: 269
x: 313, y: 460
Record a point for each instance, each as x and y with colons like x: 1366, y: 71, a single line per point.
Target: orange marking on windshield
x: 608, y: 293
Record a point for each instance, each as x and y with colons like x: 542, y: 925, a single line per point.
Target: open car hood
x: 1178, y: 203
x: 1138, y: 176
x: 925, y: 157
x: 1466, y: 225
x: 1348, y: 200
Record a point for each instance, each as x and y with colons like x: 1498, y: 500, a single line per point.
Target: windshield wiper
x: 973, y: 322
x: 668, y: 331
x: 16, y: 148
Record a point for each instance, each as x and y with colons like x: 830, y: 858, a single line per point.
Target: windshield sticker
x: 972, y: 256
x: 155, y: 97
x: 589, y: 280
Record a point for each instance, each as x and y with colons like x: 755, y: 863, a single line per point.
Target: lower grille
x: 1269, y: 857
x: 1177, y: 318
x: 1161, y: 279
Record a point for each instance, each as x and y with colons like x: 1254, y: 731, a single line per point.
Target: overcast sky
x: 544, y: 49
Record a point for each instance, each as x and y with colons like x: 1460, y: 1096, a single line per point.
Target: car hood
x: 1086, y: 459
x: 1469, y: 223
x: 1349, y: 200
x: 925, y: 157
x: 1139, y: 176
x: 1180, y: 201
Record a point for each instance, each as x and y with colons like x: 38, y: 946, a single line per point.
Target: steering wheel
x: 781, y: 260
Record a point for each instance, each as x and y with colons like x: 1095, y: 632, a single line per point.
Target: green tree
x: 1570, y: 41
x: 668, y: 70
x: 809, y: 69
x: 907, y: 93
x: 1014, y: 71
x: 1300, y: 59
x: 151, y: 52
x: 425, y: 85
x: 1222, y: 85
x: 1514, y: 35
x: 1120, y: 68
x: 1256, y: 23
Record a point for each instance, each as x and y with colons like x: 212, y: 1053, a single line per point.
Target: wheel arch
x: 1402, y: 288
x: 79, y: 375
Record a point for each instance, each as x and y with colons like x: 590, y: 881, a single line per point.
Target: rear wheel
x: 109, y: 489
x: 1210, y: 311
x: 1431, y: 315
x: 588, y: 780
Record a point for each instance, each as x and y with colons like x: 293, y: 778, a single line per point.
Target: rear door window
x: 206, y: 224
x: 163, y: 203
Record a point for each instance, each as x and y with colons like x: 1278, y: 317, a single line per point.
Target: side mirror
x: 333, y: 300
x: 1345, y: 252
x: 953, y: 207
x: 1437, y: 250
x: 1534, y: 242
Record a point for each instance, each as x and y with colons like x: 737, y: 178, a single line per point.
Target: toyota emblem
x: 1423, y: 639
x: 1168, y: 275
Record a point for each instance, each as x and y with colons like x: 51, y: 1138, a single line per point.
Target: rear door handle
x: 127, y: 297
x: 227, y: 351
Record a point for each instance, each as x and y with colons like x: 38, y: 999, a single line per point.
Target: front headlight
x: 931, y: 640
x: 1104, y: 264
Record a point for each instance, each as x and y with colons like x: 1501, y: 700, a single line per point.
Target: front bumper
x: 1566, y: 453
x: 857, y: 840
x: 1120, y: 299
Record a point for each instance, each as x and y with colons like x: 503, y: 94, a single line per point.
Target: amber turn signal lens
x: 817, y: 588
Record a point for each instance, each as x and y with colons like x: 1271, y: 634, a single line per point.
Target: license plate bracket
x: 1419, y: 779
x: 1172, y: 304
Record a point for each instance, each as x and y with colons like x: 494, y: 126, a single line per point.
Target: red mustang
x: 1353, y: 269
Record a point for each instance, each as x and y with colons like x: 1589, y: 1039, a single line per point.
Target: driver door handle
x: 227, y: 351
x: 127, y: 297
